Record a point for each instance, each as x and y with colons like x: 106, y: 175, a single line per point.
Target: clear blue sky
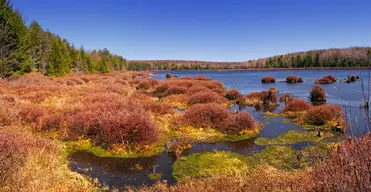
x: 213, y: 30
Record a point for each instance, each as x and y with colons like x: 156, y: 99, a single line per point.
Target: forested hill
x: 30, y: 48
x: 346, y: 57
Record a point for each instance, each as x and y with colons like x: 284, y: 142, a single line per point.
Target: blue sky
x: 213, y: 30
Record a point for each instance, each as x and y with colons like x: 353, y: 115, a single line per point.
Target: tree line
x: 25, y: 49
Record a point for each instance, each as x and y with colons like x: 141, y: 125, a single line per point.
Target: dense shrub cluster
x: 112, y: 123
x: 204, y: 97
x: 240, y: 122
x: 286, y: 98
x: 260, y: 98
x: 294, y: 79
x: 207, y: 116
x: 348, y: 169
x: 297, y: 105
x: 326, y: 80
x: 158, y: 108
x: 161, y: 89
x: 144, y: 84
x: 317, y: 94
x: 217, y: 117
x: 324, y: 115
x: 233, y: 94
x: 173, y: 90
x: 268, y: 79
x: 14, y: 150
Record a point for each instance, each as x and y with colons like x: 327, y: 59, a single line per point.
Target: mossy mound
x: 292, y: 137
x: 209, y: 164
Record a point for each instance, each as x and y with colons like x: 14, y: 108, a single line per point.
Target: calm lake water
x: 246, y: 82
x: 120, y: 172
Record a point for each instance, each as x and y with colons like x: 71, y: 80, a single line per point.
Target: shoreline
x: 274, y: 69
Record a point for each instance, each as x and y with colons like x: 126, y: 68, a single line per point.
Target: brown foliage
x: 14, y: 150
x: 288, y: 96
x: 297, y: 105
x: 239, y: 122
x: 233, y: 94
x: 347, y: 170
x: 173, y: 90
x: 321, y: 115
x: 294, y: 79
x: 157, y: 108
x: 207, y: 116
x: 109, y: 121
x: 325, y: 80
x: 318, y: 94
x: 268, y: 79
x: 161, y: 89
x: 204, y: 97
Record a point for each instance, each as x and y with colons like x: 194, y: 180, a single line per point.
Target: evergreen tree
x: 317, y: 61
x: 299, y: 62
x: 15, y: 42
x: 59, y: 59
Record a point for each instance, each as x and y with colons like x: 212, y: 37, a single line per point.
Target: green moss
x: 155, y: 176
x: 225, y: 163
x: 209, y: 135
x: 280, y: 157
x: 292, y: 137
x: 86, y: 145
x: 272, y: 115
x: 209, y: 164
x: 322, y: 149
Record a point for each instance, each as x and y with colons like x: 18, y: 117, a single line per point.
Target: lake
x: 246, y: 82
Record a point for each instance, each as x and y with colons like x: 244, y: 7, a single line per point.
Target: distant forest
x: 346, y: 57
x: 30, y: 48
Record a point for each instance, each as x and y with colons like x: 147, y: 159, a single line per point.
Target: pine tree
x: 59, y: 59
x: 15, y: 42
x: 317, y: 61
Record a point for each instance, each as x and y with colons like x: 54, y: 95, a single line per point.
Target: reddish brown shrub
x: 204, y: 97
x: 286, y: 97
x: 294, y: 79
x: 325, y: 80
x: 260, y: 98
x: 128, y: 127
x: 297, y: 105
x: 157, y: 108
x: 14, y: 150
x: 202, y: 78
x: 85, y: 79
x: 239, y: 122
x: 144, y: 84
x: 71, y: 83
x: 197, y: 88
x: 233, y: 94
x: 268, y: 79
x: 161, y: 89
x: 78, y: 81
x: 41, y: 118
x: 348, y: 169
x: 7, y: 114
x: 324, y: 114
x: 264, y: 95
x: 110, y: 123
x: 172, y: 90
x: 318, y: 94
x: 207, y: 116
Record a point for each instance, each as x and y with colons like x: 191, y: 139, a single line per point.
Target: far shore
x: 273, y: 69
